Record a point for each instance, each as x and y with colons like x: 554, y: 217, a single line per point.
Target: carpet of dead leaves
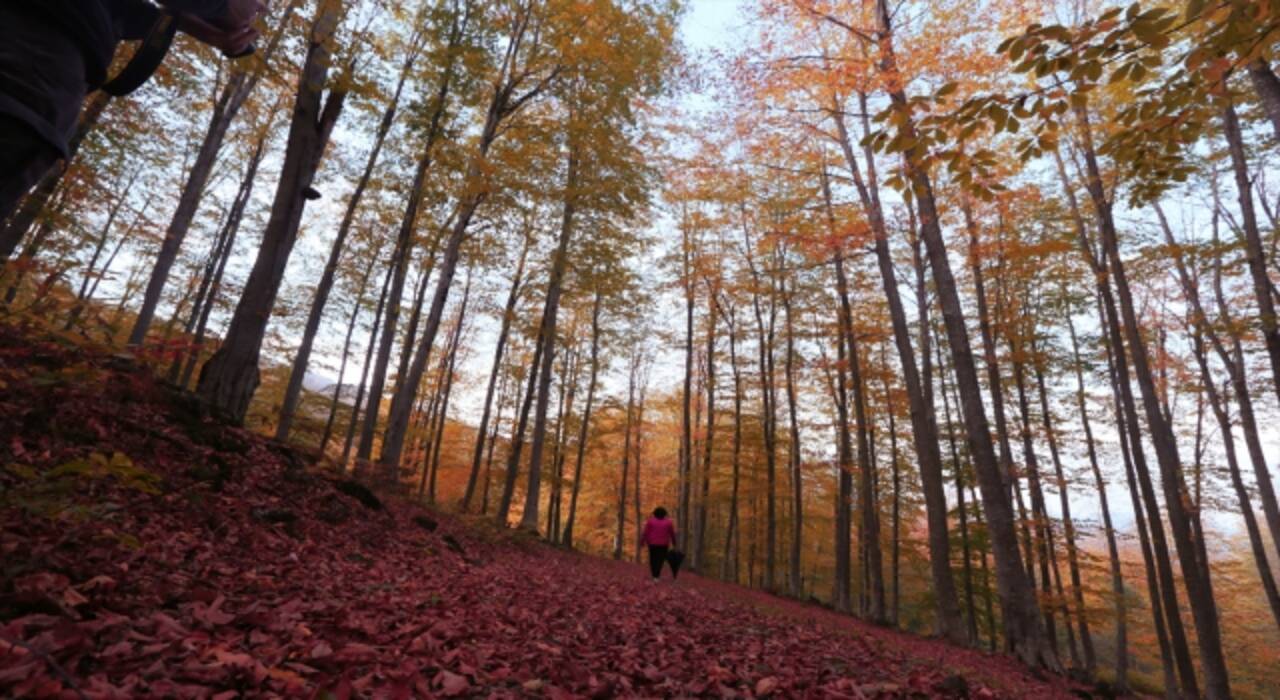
x: 150, y: 551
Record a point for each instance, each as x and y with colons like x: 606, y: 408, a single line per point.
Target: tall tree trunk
x: 100, y: 242
x: 229, y: 379
x: 731, y: 535
x: 208, y: 297
x: 996, y: 385
x: 626, y: 461
x: 447, y: 377
x: 1267, y: 87
x: 293, y: 389
x: 1113, y: 550
x: 583, y: 430
x: 1023, y: 633
x: 699, y: 543
x: 958, y: 469
x: 517, y: 432
x: 346, y: 353
x: 768, y: 411
x: 559, y: 262
x: 1068, y: 524
x: 230, y: 100
x: 685, y: 470
x: 924, y: 425
x: 508, y: 314
x: 844, y: 491
x: 1195, y: 571
x: 370, y: 346
x: 794, y: 456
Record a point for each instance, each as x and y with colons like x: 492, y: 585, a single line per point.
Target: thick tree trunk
x: 293, y: 390
x: 230, y: 100
x: 226, y: 245
x: 584, y: 429
x: 1023, y: 633
x: 508, y: 315
x: 230, y: 378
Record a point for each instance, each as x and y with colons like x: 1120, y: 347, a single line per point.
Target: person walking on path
x: 660, y: 535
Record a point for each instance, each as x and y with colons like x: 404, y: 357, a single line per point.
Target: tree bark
x: 508, y: 314
x: 230, y: 100
x: 1195, y: 571
x: 370, y: 346
x: 583, y: 430
x: 1267, y: 88
x: 559, y: 262
x: 1113, y: 550
x: 293, y: 389
x: 346, y: 353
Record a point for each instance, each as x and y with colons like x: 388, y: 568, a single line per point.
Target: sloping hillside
x: 150, y: 551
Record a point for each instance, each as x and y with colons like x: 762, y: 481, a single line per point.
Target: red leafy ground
x: 211, y: 564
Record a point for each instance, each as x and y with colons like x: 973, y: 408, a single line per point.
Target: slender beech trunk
x: 708, y: 445
x: 1068, y: 524
x: 686, y: 421
x: 508, y: 315
x: 346, y: 353
x: 503, y: 104
x: 731, y: 535
x: 370, y: 346
x: 403, y: 255
x: 1023, y: 633
x: 517, y: 432
x: 996, y: 384
x: 958, y: 469
x: 794, y: 454
x: 230, y: 100
x: 768, y: 411
x: 100, y: 242
x: 584, y: 429
x: 895, y: 557
x: 559, y: 263
x: 924, y: 424
x: 448, y: 377
x: 1195, y: 571
x: 222, y: 254
x: 293, y: 390
x: 1113, y: 549
x: 626, y: 460
x: 638, y: 454
x: 1039, y: 514
x: 230, y: 378
x: 844, y: 492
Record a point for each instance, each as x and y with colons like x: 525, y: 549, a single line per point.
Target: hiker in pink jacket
x: 660, y: 535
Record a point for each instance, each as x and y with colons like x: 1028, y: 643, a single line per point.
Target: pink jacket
x: 659, y: 533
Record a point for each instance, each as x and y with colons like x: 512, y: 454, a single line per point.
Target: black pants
x: 657, y: 557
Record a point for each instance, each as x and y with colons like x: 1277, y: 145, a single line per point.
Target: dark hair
x: 659, y: 512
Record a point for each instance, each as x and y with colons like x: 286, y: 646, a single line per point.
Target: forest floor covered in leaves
x: 151, y: 551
